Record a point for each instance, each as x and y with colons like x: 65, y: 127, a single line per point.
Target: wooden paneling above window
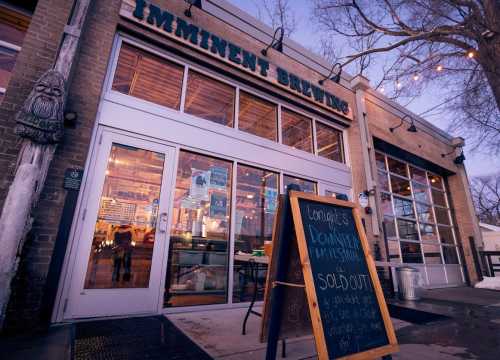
x: 210, y: 99
x: 258, y: 116
x: 148, y: 77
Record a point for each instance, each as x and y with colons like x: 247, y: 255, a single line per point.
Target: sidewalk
x: 468, y: 327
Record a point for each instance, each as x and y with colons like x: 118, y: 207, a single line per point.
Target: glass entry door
x: 124, y: 232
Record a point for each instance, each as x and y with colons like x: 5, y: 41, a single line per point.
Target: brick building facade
x: 429, y: 222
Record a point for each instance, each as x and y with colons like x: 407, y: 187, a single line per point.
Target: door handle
x: 163, y: 222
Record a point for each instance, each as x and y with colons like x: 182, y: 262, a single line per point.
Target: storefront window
x: 256, y: 204
x: 383, y: 181
x: 329, y: 142
x: 428, y: 233
x: 424, y: 212
x: 305, y: 185
x: 400, y: 186
x: 397, y: 167
x: 432, y: 254
x: 209, y: 99
x: 442, y: 215
x: 418, y: 175
x: 403, y: 207
x: 425, y: 194
x: 148, y: 77
x: 258, y: 116
x: 445, y: 234
x: 297, y: 130
x: 411, y: 252
x: 450, y: 255
x: 407, y: 229
x: 199, y: 237
x: 13, y: 28
x: 122, y: 247
x: 380, y: 161
x: 393, y: 247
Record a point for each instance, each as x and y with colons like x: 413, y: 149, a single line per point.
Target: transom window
x: 155, y: 79
x: 417, y: 219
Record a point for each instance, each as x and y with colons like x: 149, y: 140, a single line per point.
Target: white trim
x: 10, y: 46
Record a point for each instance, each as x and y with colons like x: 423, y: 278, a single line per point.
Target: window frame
x: 117, y: 96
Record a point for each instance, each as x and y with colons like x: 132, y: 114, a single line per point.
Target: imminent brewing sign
x: 347, y: 309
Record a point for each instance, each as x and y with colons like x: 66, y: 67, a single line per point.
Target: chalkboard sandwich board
x: 347, y: 308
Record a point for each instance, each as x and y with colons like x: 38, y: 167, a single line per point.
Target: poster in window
x: 218, y: 205
x: 270, y: 200
x: 199, y: 184
x: 218, y: 177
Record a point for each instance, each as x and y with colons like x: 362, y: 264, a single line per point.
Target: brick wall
x: 37, y: 55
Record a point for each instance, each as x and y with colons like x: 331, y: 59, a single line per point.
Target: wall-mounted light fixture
x: 412, y: 128
x: 335, y: 78
x: 192, y: 3
x: 276, y: 43
x: 459, y: 160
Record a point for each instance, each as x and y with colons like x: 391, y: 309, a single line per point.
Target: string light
x: 382, y: 89
x: 398, y: 84
x: 470, y: 54
x: 416, y: 77
x: 439, y: 68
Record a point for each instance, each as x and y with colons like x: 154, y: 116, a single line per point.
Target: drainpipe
x: 360, y: 84
x: 40, y: 124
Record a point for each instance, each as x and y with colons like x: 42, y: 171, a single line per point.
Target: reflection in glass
x: 397, y: 167
x: 411, y: 252
x: 386, y: 204
x: 380, y: 161
x: 209, y: 99
x: 450, y: 255
x: 149, y: 77
x: 400, y: 186
x: 438, y: 197
x: 418, y: 175
x: 403, y: 207
x: 393, y: 247
x: 442, y: 215
x: 258, y: 116
x: 420, y: 192
x: 428, y: 233
x: 432, y: 254
x: 305, y: 185
x: 122, y: 247
x: 390, y: 227
x: 383, y: 181
x: 407, y: 229
x: 424, y: 212
x: 256, y: 204
x: 446, y: 234
x: 329, y: 141
x: 436, y: 181
x: 296, y: 130
x: 199, y: 236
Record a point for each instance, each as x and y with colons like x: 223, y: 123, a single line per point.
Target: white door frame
x: 123, y: 301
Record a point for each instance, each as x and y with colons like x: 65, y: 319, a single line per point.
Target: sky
x: 477, y: 164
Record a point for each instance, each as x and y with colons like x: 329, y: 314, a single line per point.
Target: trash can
x: 408, y: 283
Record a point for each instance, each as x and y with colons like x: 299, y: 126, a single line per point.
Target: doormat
x: 151, y: 337
x: 414, y: 316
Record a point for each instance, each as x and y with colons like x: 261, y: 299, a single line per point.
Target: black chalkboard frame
x: 314, y: 311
